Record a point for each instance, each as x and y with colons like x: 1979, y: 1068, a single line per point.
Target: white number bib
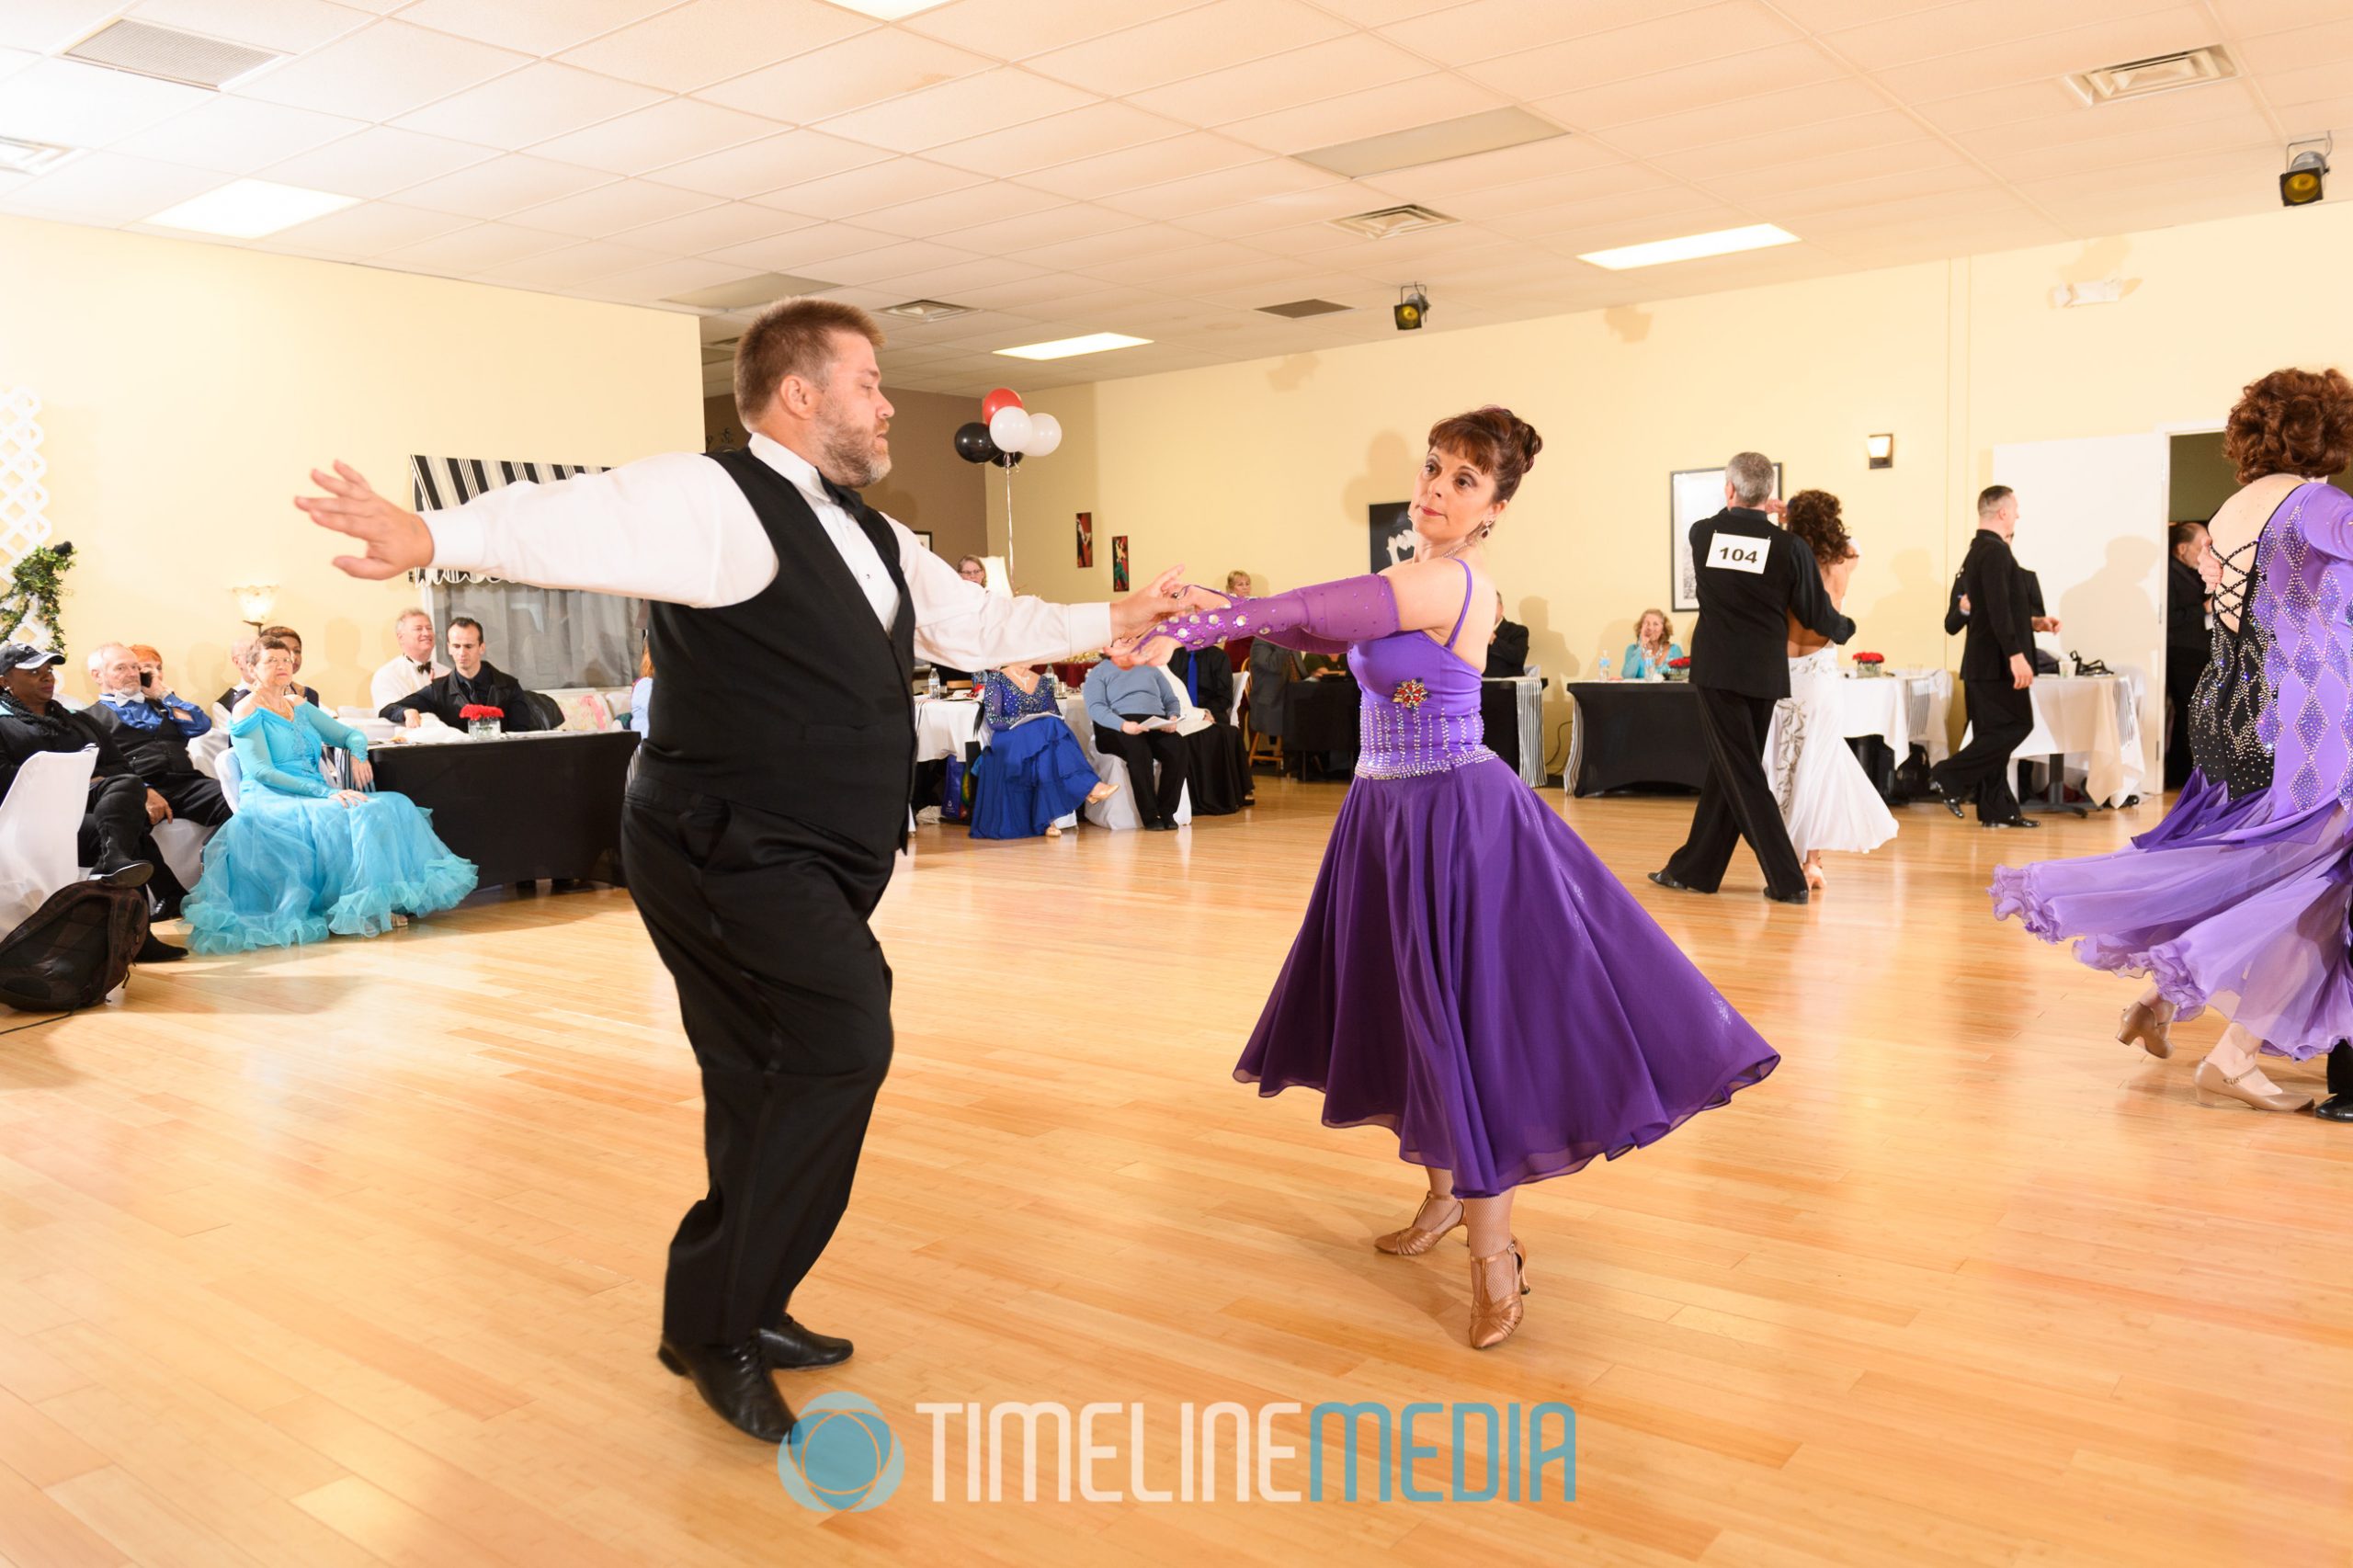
x: 1737, y: 553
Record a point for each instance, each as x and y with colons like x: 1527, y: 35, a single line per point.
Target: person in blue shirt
x: 1134, y: 711
x: 1034, y: 772
x: 1653, y: 648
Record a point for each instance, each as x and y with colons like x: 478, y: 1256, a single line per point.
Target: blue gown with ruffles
x: 296, y: 865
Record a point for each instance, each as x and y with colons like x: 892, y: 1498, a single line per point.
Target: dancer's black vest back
x: 797, y: 700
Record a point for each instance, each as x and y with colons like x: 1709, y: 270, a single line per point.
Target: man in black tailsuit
x: 1996, y: 667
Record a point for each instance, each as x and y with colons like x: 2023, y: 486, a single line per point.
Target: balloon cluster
x: 1007, y: 432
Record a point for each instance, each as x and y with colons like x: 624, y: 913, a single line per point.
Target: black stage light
x: 2302, y: 184
x: 1411, y: 307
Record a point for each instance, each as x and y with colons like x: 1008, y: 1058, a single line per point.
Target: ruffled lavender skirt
x: 1471, y: 977
x: 2221, y: 906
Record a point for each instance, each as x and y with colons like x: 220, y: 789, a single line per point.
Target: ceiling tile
x: 1328, y: 70
x: 44, y: 25
x: 2001, y: 106
x: 1798, y: 208
x: 771, y: 164
x: 76, y: 105
x: 1078, y: 254
x: 2052, y: 54
x: 466, y: 251
x: 1730, y: 27
x: 672, y: 132
x: 1013, y: 236
x: 1019, y: 29
x: 1538, y: 195
x: 1095, y: 130
x: 1177, y: 158
x: 377, y: 162
x: 1215, y: 36
x: 864, y: 190
x: 1781, y: 146
x: 2292, y: 89
x: 1376, y: 111
x: 357, y: 232
x: 1243, y: 219
x: 1728, y: 79
x: 236, y: 135
x: 804, y: 252
x: 571, y: 265
x: 503, y: 184
x: 2228, y: 106
x: 109, y: 188
x: 1226, y: 187
x: 852, y: 75
x: 962, y: 282
x: 383, y: 70
x: 730, y: 223
x: 287, y: 26
x: 608, y: 209
x: 1506, y: 165
x: 1905, y: 37
x: 949, y: 214
x: 1485, y: 28
x: 534, y: 26
x: 2296, y: 50
x: 1734, y: 121
x: 710, y: 40
x: 664, y: 279
x: 1878, y: 160
x: 872, y: 265
x: 954, y: 111
x: 531, y: 106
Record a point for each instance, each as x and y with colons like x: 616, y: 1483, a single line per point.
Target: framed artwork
x: 1692, y: 493
x: 923, y: 537
x: 1086, y: 538
x: 1118, y: 564
x: 1393, y: 533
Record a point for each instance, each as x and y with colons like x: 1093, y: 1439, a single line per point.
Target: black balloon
x: 1003, y: 459
x: 972, y: 443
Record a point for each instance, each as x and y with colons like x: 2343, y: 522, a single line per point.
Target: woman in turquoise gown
x: 301, y: 859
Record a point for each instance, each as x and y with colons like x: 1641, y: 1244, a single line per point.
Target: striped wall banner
x: 438, y: 483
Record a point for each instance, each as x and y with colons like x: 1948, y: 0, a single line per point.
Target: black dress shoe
x: 791, y: 1348
x: 2337, y: 1108
x: 1668, y: 879
x: 734, y: 1380
x: 2012, y: 822
x: 1955, y: 807
x: 131, y: 874
x: 156, y: 950
x: 1801, y: 896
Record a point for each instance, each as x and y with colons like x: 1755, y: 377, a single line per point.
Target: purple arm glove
x: 1325, y: 617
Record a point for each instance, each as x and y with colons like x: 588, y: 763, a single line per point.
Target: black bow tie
x: 843, y: 496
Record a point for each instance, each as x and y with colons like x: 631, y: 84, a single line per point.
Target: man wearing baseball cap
x: 114, y: 837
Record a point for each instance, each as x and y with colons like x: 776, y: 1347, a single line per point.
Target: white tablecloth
x: 2093, y: 722
x: 944, y: 727
x: 1902, y: 707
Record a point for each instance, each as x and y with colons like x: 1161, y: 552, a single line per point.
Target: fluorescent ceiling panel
x: 1065, y: 347
x: 248, y: 208
x: 1691, y: 248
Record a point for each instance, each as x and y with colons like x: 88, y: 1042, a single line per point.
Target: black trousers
x: 2000, y: 716
x: 114, y: 833
x: 2183, y: 666
x: 786, y: 998
x: 1140, y: 751
x: 1735, y: 802
x: 193, y: 798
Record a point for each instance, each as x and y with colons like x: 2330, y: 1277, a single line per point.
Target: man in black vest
x: 771, y: 794
x: 1996, y: 667
x: 2189, y: 641
x: 472, y: 682
x: 153, y: 728
x: 1753, y: 578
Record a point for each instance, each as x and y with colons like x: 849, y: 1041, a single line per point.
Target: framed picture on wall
x: 1118, y: 564
x: 923, y: 537
x: 1086, y: 538
x: 1393, y: 533
x: 1692, y: 493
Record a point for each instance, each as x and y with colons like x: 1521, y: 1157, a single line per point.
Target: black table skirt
x: 524, y: 806
x: 1634, y: 734
x: 1324, y: 717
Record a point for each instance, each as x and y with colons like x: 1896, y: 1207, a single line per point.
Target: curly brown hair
x: 2292, y: 422
x: 1813, y: 516
x: 1494, y: 440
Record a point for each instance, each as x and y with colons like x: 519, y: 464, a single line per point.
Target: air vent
x: 2162, y: 74
x: 928, y: 310
x: 145, y: 50
x: 745, y: 293
x: 1299, y: 308
x: 1394, y: 221
x: 30, y: 157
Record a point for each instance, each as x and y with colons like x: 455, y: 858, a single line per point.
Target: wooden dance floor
x: 352, y: 1255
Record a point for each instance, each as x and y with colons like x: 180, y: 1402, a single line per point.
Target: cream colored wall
x: 1270, y: 465
x: 189, y: 389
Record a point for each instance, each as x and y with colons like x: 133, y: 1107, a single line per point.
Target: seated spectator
x: 1507, y: 648
x: 152, y: 725
x: 1218, y: 762
x: 293, y: 640
x: 301, y: 859
x: 415, y: 667
x: 1132, y: 709
x: 1034, y: 772
x: 640, y: 696
x: 473, y: 682
x: 972, y: 569
x: 112, y: 838
x: 1273, y: 668
x: 1652, y: 649
x: 241, y: 659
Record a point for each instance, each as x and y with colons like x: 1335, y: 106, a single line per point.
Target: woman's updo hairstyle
x: 2292, y: 422
x: 1813, y: 516
x: 1494, y: 440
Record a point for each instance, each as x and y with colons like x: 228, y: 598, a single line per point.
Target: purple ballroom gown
x: 1469, y: 974
x: 2238, y: 900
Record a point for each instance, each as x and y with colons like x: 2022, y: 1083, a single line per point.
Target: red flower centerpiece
x: 1868, y: 663
x: 481, y: 718
x: 1410, y: 694
x: 1679, y: 669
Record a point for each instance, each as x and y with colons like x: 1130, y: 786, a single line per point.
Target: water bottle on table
x: 1601, y: 668
x: 931, y: 687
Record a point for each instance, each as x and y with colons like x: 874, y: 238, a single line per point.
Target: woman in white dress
x: 1826, y: 797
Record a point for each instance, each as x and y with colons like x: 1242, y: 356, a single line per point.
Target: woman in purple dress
x: 2238, y: 900
x: 1469, y: 974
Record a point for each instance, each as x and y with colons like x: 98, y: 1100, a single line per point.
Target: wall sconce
x: 254, y: 601
x: 1881, y: 450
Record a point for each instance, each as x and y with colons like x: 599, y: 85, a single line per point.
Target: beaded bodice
x: 2227, y: 735
x: 1004, y: 704
x: 1420, y: 710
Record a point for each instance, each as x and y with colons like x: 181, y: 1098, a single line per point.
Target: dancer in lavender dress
x: 2239, y: 899
x: 1469, y: 974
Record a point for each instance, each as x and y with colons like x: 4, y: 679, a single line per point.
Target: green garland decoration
x: 37, y: 592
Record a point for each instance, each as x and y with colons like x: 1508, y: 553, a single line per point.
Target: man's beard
x: 850, y: 459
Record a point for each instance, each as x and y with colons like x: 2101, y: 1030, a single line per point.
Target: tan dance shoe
x: 1417, y: 1238
x: 2216, y: 1087
x: 1497, y: 1284
x: 2146, y: 1026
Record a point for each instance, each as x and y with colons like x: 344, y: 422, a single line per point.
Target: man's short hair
x: 793, y: 338
x: 458, y: 621
x: 1990, y: 499
x: 1750, y: 475
x: 411, y: 613
x: 2180, y: 534
x: 97, y: 657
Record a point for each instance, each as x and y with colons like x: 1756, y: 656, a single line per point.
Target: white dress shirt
x: 679, y: 528
x: 401, y: 677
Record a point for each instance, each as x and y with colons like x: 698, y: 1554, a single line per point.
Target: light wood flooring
x: 352, y: 1255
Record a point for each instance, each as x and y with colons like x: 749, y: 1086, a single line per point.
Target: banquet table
x: 2092, y: 723
x: 945, y: 726
x: 521, y: 806
x: 1629, y: 733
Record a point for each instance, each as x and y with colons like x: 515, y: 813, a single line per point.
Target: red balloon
x: 1004, y: 397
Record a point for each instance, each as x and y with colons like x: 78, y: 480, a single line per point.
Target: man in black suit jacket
x: 1996, y: 667
x: 1507, y: 649
x: 1753, y: 578
x: 2189, y: 641
x: 472, y: 681
x: 153, y: 728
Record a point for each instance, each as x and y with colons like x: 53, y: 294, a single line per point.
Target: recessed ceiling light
x: 888, y: 10
x: 1064, y: 348
x: 926, y: 310
x: 1691, y: 248
x: 248, y: 208
x: 30, y: 157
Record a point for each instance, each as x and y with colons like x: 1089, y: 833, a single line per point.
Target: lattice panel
x: 24, y: 499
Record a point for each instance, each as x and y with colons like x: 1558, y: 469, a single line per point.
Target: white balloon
x: 1045, y: 435
x: 1011, y: 430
